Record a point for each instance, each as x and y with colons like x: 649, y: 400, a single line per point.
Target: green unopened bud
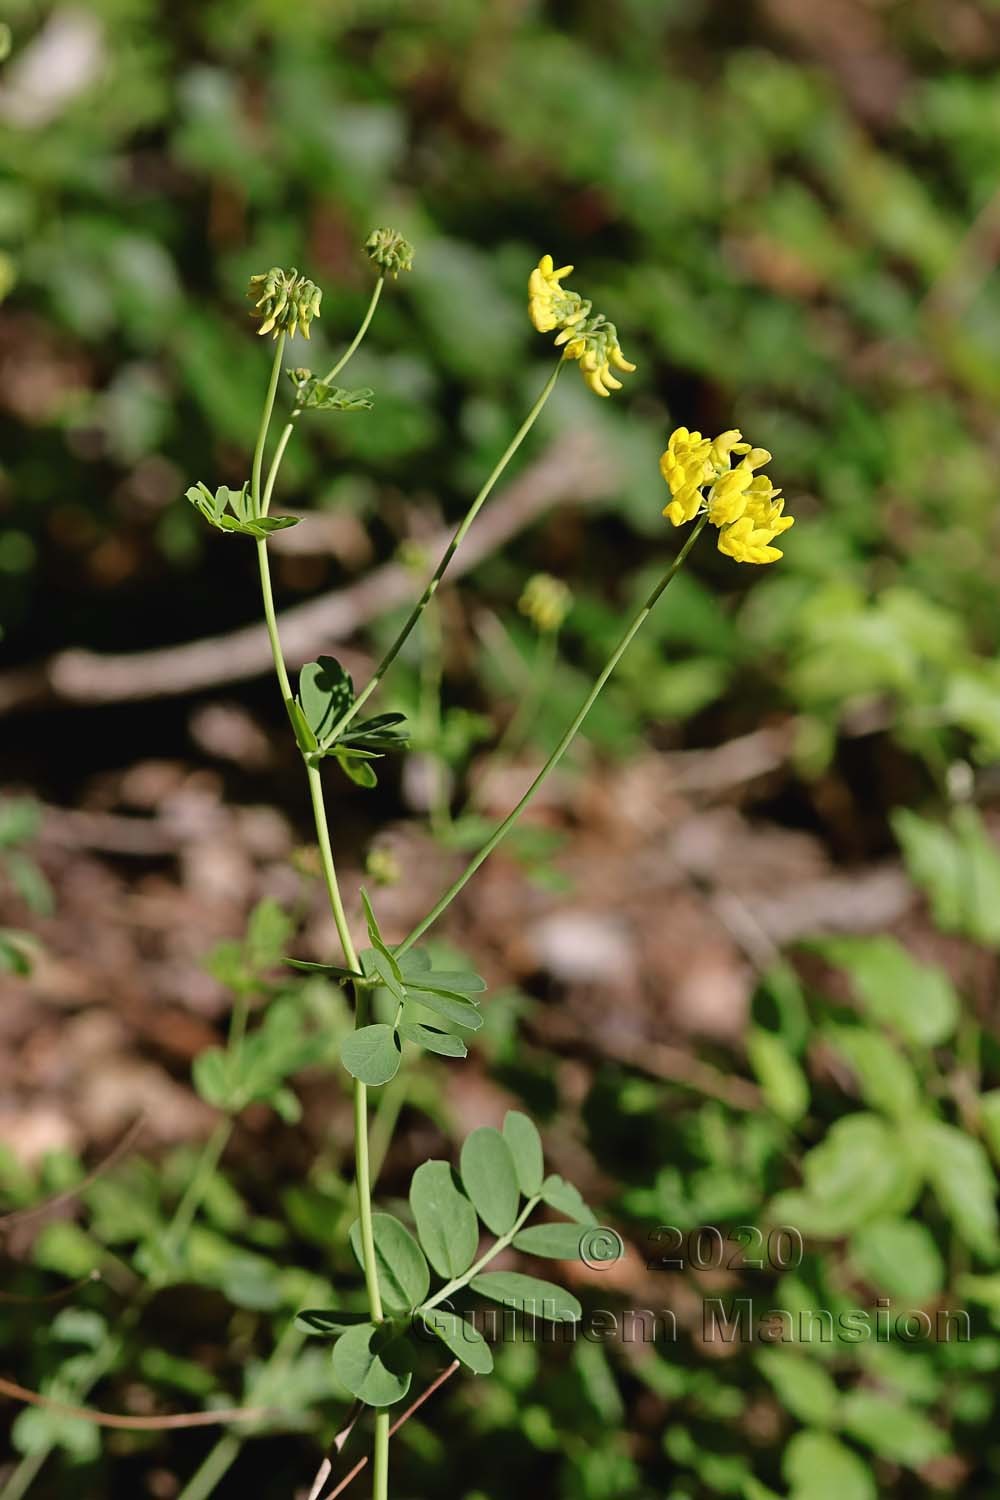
x: 388, y: 250
x: 6, y: 40
x: 285, y: 301
x: 546, y: 601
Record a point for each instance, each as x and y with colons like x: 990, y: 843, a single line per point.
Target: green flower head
x: 285, y: 301
x: 389, y: 251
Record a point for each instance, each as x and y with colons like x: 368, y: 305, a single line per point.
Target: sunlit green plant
x: 399, y: 995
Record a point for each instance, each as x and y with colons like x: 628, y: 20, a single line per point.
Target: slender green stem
x: 380, y: 1465
x: 270, y: 620
x: 279, y: 454
x: 289, y: 427
x: 541, y: 673
x: 329, y: 869
x: 557, y: 754
x: 335, y: 370
x: 213, y: 1468
x: 362, y: 1168
x: 265, y: 422
x: 186, y: 1209
x: 25, y: 1474
x: 449, y: 553
x: 458, y: 1282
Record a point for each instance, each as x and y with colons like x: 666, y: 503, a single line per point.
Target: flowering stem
x: 362, y: 1166
x: 335, y: 370
x: 265, y: 422
x: 449, y: 553
x: 289, y: 427
x: 504, y: 828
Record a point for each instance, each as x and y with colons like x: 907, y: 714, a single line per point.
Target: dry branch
x: 570, y: 470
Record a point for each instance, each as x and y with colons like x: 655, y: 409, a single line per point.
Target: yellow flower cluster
x: 743, y: 504
x: 583, y: 335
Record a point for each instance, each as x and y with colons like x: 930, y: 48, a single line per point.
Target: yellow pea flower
x: 745, y: 542
x: 549, y: 304
x: 727, y: 497
x: 685, y: 465
x: 744, y: 505
x: 591, y: 340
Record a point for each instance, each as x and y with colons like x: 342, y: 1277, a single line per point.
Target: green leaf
x: 885, y: 1077
x: 316, y: 395
x: 446, y: 1221
x: 375, y: 936
x: 355, y: 767
x: 371, y: 1054
x: 326, y: 692
x: 917, y: 1000
x: 964, y: 1183
x: 959, y: 868
x: 820, y: 1467
x: 782, y: 1081
x: 554, y: 1241
x: 464, y: 1341
x: 333, y: 971
x: 899, y: 1256
x: 564, y: 1198
x: 210, y: 1074
x: 892, y: 1430
x: 989, y: 1106
x: 449, y: 982
x: 414, y: 964
x: 859, y: 1171
x: 403, y: 1275
x: 304, y: 737
x: 802, y: 1386
x: 376, y: 964
x: 329, y: 1320
x: 452, y: 1007
x: 528, y: 1295
x: 489, y: 1178
x: 373, y: 1363
x: 526, y: 1148
x: 432, y: 1040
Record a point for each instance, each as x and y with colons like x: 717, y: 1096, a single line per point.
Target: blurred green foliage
x: 779, y: 215
x: 782, y: 247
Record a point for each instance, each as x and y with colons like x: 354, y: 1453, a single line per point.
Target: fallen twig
x: 136, y: 1424
x: 570, y: 468
x: 18, y: 1215
x: 435, y: 1385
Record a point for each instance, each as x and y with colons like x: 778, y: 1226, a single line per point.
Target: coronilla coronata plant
x: 402, y: 1001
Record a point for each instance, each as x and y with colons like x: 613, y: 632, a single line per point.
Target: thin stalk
x: 214, y: 1467
x: 362, y: 1167
x: 186, y: 1209
x: 270, y: 620
x: 504, y: 828
x: 520, y: 722
x: 449, y: 552
x: 335, y: 370
x: 265, y: 422
x: 289, y: 427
